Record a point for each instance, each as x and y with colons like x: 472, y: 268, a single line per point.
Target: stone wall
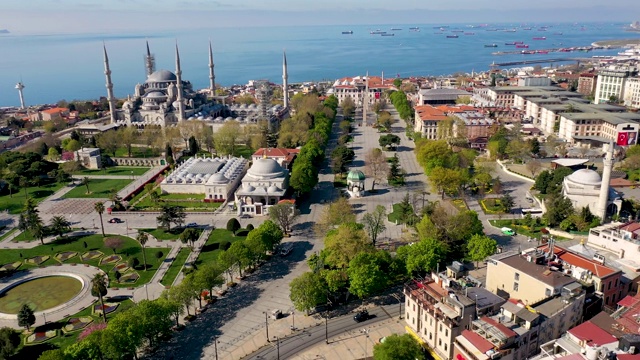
x: 157, y: 161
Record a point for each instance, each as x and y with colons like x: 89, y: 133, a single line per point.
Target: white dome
x: 273, y: 189
x: 162, y: 76
x: 264, y: 167
x: 585, y: 177
x: 218, y: 178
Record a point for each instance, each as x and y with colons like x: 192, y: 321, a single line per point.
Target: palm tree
x: 59, y: 224
x: 24, y: 184
x: 99, y: 208
x: 99, y: 289
x: 142, y: 238
x: 38, y: 229
x: 85, y: 182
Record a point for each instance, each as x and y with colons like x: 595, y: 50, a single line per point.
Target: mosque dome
x: 355, y: 175
x: 585, y: 177
x: 218, y: 178
x: 266, y: 168
x: 155, y: 95
x: 162, y: 76
x: 273, y: 189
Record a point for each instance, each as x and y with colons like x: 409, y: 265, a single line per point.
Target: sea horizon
x: 69, y: 66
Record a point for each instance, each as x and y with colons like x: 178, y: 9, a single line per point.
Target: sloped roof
x: 592, y: 334
x: 478, y: 341
x: 580, y: 261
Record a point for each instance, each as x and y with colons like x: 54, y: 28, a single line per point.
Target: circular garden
x: 40, y: 294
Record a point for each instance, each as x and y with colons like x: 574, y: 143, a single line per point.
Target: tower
x: 285, y: 80
x: 180, y: 100
x: 149, y: 61
x: 110, y: 98
x: 20, y: 86
x: 212, y: 76
x: 603, y: 199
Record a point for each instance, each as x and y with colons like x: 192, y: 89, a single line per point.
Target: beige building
x: 427, y: 120
x: 355, y: 88
x: 631, y: 96
x: 611, y: 83
x: 587, y: 83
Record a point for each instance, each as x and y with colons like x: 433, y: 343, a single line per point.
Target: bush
x: 214, y: 246
x: 225, y: 245
x: 250, y: 227
x: 159, y: 254
x: 133, y: 262
x: 233, y: 225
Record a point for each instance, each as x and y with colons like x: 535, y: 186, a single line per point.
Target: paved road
x: 292, y: 345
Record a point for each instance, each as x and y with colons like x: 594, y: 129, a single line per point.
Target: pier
x: 534, y: 61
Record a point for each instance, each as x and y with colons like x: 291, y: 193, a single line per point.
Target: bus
x: 535, y: 212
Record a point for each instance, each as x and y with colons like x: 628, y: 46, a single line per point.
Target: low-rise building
x: 441, y: 96
x: 631, y: 95
x: 90, y: 158
x: 583, y: 189
x: 428, y: 120
x: 283, y: 156
x: 355, y: 88
x: 263, y: 186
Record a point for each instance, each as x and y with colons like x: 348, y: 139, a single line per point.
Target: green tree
x: 85, y: 182
x: 227, y: 137
x: 142, y: 239
x: 59, y: 225
x: 376, y: 166
x: 26, y: 318
x: 153, y: 320
x: 171, y: 214
x: 374, y: 223
x: 343, y: 244
x: 284, y: 215
x: 194, y: 147
x: 233, y: 225
x: 209, y: 276
x: 479, y: 247
x: 348, y: 106
x: 123, y: 336
x: 336, y: 213
x: 397, y: 82
x: 38, y: 230
x: 56, y: 354
x: 189, y: 236
x: 53, y: 154
x: 559, y: 208
x: 99, y: 208
x: 423, y: 256
x: 168, y: 154
x: 507, y: 203
x: 172, y: 298
x: 308, y: 291
x: 397, y: 347
x: 304, y: 176
x: 99, y: 290
x: 389, y: 141
x: 241, y: 254
x: 9, y: 342
x: 368, y: 273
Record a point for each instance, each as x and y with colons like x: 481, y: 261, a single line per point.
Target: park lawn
x: 94, y: 242
x: 64, y: 340
x: 395, y: 215
x: 100, y: 188
x: 459, y: 204
x: 178, y: 200
x: 176, y: 266
x: 8, y: 233
x: 115, y: 170
x: 28, y: 236
x: 491, y: 206
x: 516, y: 224
x: 243, y: 151
x: 211, y: 248
x: 137, y: 152
x: 15, y: 204
x: 174, y: 234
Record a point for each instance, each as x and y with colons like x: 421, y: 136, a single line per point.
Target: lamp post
x: 293, y: 319
x: 146, y: 290
x: 366, y: 333
x: 278, y: 346
x: 266, y: 323
x: 326, y: 328
x: 126, y: 224
x: 215, y: 345
x: 397, y: 297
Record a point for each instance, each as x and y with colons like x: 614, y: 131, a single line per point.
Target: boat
x: 491, y: 45
x: 452, y: 36
x: 527, y: 52
x: 414, y: 28
x: 457, y: 31
x: 527, y: 28
x: 522, y: 46
x: 377, y: 32
x: 385, y: 34
x: 347, y: 32
x: 469, y: 33
x: 542, y: 51
x: 540, y: 38
x: 518, y: 42
x: 395, y: 29
x: 510, y: 30
x: 510, y: 43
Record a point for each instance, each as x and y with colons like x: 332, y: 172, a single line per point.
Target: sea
x: 54, y: 67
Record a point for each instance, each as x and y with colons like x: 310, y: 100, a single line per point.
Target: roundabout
x: 53, y: 293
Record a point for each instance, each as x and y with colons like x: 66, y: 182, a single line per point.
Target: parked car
x: 276, y: 314
x: 286, y: 249
x: 245, y: 216
x: 115, y: 221
x: 192, y: 225
x: 361, y: 316
x: 508, y: 231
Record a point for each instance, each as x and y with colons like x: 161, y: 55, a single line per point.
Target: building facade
x: 264, y: 185
x: 631, y: 96
x: 611, y: 84
x: 587, y: 83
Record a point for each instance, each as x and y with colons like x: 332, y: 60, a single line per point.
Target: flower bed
x: 11, y: 267
x: 90, y: 255
x: 129, y: 277
x: 37, y: 260
x: 64, y: 256
x: 42, y: 336
x: 77, y: 323
x: 111, y: 259
x: 121, y: 267
x: 108, y: 308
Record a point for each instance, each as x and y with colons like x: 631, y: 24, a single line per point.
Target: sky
x: 68, y: 16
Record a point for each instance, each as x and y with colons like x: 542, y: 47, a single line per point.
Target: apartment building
x: 428, y: 120
x: 587, y: 83
x: 440, y: 307
x: 611, y: 83
x: 631, y: 95
x: 515, y: 333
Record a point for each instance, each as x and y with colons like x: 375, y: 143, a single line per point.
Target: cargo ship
x: 347, y: 32
x: 540, y: 38
x: 452, y: 36
x: 491, y: 45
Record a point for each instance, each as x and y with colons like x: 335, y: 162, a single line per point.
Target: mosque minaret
x: 285, y: 80
x: 212, y: 76
x: 110, y: 98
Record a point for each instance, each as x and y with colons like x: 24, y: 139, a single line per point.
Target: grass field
x: 15, y: 203
x: 161, y: 234
x: 137, y: 152
x: 100, y: 188
x: 129, y: 249
x: 175, y: 267
x: 211, y: 248
x: 116, y: 170
x: 492, y: 206
x: 516, y: 224
x: 183, y: 200
x: 395, y: 215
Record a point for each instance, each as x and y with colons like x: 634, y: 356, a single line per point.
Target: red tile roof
x: 630, y: 227
x: 503, y: 329
x: 570, y: 258
x: 428, y: 112
x: 628, y: 356
x: 629, y: 301
x: 478, y: 341
x: 592, y: 334
x: 275, y: 152
x: 628, y: 318
x: 55, y: 110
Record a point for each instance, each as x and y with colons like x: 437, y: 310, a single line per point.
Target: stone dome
x: 155, y: 95
x: 273, y: 189
x: 266, y: 168
x: 355, y: 175
x: 218, y: 178
x: 585, y: 177
x: 162, y: 76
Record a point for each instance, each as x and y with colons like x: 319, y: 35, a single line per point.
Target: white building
x: 354, y: 87
x: 631, y: 96
x: 611, y: 83
x: 89, y: 157
x: 264, y: 185
x: 215, y: 178
x: 534, y: 81
x: 583, y: 189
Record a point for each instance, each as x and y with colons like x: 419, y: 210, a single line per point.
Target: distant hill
x: 4, y: 31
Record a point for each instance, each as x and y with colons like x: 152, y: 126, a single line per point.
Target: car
x: 508, y: 231
x: 192, y: 225
x: 361, y: 316
x: 245, y: 216
x: 115, y: 221
x: 286, y: 249
x: 276, y: 314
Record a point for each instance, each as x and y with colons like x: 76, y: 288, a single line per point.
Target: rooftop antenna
x: 20, y: 86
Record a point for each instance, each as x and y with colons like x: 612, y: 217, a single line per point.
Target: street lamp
x: 278, y: 346
x: 397, y: 297
x: 146, y: 290
x: 266, y: 323
x: 215, y: 345
x: 326, y: 328
x: 293, y: 319
x: 126, y: 224
x: 366, y: 333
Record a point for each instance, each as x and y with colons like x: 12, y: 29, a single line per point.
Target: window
x: 517, y: 277
x: 609, y: 287
x: 515, y: 286
x: 446, y: 332
x: 616, y: 285
x: 445, y: 347
x: 547, y: 292
x: 439, y: 342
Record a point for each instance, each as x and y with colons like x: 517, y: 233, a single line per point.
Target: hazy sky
x: 34, y: 16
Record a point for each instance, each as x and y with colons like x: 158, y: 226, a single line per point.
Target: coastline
x: 623, y: 42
